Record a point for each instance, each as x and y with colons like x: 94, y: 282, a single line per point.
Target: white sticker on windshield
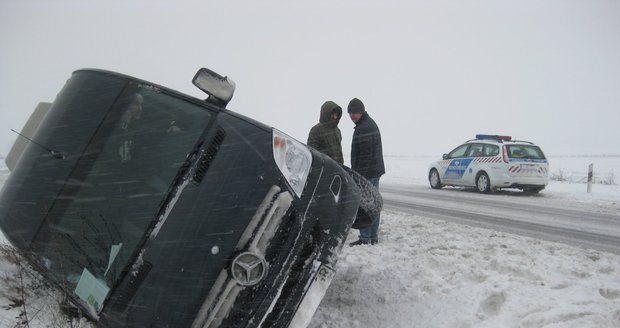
x: 113, y: 252
x: 91, y: 290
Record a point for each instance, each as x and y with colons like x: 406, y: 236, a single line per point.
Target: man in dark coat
x: 366, y: 159
x: 325, y: 136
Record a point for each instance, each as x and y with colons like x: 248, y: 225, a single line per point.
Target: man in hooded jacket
x: 325, y: 136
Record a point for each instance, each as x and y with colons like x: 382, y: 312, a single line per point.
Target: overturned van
x: 151, y: 208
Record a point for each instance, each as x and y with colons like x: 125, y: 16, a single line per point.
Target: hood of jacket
x: 327, y: 109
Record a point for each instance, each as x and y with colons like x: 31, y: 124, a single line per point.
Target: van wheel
x: 371, y: 202
x: 483, y: 183
x: 434, y: 180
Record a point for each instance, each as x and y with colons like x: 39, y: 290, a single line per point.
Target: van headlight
x: 293, y: 159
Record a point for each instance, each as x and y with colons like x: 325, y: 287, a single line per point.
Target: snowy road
x: 538, y: 216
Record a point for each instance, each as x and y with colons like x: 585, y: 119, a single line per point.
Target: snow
x: 432, y: 273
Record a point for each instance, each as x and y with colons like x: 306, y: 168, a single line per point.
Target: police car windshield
x: 96, y: 226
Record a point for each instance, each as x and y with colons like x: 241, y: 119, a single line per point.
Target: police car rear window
x: 524, y: 151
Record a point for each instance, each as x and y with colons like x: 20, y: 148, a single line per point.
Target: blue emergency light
x: 493, y: 137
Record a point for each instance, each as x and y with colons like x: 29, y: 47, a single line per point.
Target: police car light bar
x: 493, y: 137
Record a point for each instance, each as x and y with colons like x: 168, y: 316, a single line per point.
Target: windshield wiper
x: 55, y: 154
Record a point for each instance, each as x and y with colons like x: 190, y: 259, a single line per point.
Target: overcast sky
x: 431, y: 73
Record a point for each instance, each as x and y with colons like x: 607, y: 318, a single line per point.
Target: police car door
x: 472, y: 156
x: 457, y: 166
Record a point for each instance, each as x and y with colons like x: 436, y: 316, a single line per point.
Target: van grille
x: 256, y: 238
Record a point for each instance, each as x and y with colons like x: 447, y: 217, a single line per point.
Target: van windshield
x: 99, y: 221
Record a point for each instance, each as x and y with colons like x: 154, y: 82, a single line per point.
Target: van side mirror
x: 445, y: 156
x: 219, y: 88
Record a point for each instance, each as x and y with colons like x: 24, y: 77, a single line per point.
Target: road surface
x: 538, y: 216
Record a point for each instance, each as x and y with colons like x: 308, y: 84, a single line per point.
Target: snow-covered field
x: 430, y: 273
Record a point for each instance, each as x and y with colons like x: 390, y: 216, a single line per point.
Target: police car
x: 491, y: 162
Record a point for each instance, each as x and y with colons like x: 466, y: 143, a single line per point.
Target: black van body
x: 195, y: 216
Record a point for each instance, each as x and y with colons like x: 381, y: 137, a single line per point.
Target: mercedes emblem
x: 248, y: 269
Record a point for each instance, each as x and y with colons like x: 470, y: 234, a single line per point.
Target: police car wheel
x: 434, y: 180
x: 483, y: 183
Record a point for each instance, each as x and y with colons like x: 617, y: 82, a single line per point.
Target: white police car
x: 491, y: 162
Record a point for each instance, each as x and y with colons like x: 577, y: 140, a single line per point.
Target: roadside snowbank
x: 429, y: 273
